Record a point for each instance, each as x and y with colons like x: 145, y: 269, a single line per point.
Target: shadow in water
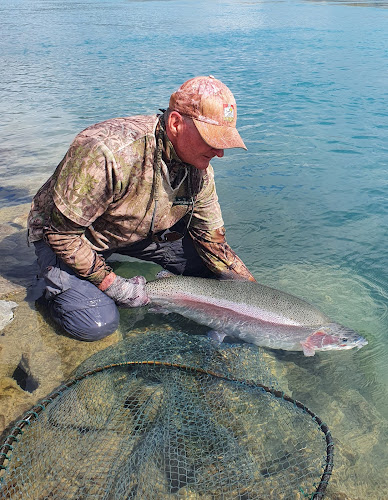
x: 17, y: 259
x: 12, y: 196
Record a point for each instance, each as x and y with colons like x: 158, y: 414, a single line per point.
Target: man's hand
x: 128, y: 292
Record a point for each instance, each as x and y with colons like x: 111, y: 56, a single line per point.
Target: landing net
x: 168, y: 416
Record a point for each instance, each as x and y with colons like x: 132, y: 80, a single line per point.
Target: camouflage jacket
x: 102, y: 197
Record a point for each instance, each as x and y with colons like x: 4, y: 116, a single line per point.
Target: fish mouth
x: 361, y: 342
x: 342, y: 338
x: 351, y: 343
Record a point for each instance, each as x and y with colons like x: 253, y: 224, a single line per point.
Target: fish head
x: 332, y: 337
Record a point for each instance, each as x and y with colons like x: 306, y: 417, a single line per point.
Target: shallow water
x: 308, y: 210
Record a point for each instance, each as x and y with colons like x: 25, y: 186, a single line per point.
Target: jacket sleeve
x: 67, y: 240
x: 83, y: 190
x: 218, y: 256
x: 208, y: 234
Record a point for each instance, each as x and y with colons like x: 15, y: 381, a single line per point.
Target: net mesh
x: 168, y: 416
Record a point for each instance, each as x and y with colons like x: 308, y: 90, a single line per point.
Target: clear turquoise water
x: 306, y: 206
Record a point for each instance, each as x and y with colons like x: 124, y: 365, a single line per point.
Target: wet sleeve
x: 67, y: 240
x: 207, y: 212
x: 218, y: 256
x: 208, y: 234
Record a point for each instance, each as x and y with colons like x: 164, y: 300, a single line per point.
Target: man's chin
x: 202, y: 165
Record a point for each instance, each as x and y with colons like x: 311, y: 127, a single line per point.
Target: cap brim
x: 218, y: 136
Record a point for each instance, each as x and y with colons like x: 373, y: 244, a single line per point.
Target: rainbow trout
x: 253, y: 313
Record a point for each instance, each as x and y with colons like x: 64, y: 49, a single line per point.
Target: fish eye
x: 344, y: 339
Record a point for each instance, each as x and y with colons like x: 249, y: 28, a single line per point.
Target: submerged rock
x: 6, y: 312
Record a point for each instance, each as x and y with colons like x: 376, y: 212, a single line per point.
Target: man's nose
x: 218, y: 152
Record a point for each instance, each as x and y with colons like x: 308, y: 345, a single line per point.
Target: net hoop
x: 33, y: 414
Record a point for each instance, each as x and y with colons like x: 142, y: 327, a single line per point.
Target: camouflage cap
x: 213, y: 109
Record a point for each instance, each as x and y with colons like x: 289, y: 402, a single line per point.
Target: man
x: 140, y: 186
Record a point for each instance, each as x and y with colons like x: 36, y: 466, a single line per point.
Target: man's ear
x: 174, y: 124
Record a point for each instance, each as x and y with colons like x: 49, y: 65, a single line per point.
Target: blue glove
x: 128, y: 292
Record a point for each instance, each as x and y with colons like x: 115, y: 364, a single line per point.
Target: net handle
x: 34, y: 413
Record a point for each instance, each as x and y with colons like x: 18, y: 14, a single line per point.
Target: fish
x: 251, y: 312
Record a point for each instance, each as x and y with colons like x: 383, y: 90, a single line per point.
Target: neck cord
x: 157, y: 178
x: 157, y: 171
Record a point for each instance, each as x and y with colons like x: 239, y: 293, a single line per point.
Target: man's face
x: 190, y: 147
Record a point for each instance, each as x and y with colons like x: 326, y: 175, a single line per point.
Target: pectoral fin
x: 154, y: 308
x: 217, y: 336
x: 164, y: 274
x: 308, y: 349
